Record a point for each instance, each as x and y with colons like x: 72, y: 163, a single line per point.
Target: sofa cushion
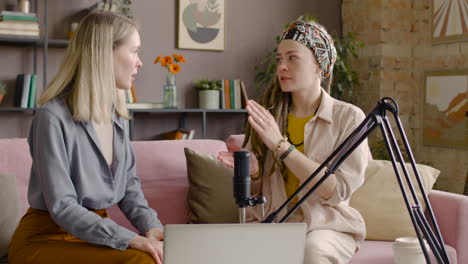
x: 10, y: 211
x: 381, y: 202
x: 15, y: 159
x: 210, y: 194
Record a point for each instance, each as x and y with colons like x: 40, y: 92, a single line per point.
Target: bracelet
x: 278, y: 146
x: 286, y: 153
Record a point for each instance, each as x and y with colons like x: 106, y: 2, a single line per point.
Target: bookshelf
x: 183, y: 114
x: 44, y: 42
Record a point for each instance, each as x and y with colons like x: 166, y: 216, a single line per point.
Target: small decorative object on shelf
x: 170, y: 88
x: 2, y: 91
x: 24, y: 6
x: 208, y: 93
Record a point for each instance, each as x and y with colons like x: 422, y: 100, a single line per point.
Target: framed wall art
x: 445, y: 119
x: 202, y: 24
x: 449, y: 21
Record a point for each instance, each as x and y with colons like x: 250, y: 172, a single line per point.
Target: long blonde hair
x: 86, y: 77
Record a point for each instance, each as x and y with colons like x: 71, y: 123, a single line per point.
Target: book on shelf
x: 233, y: 94
x: 17, y: 32
x: 179, y: 134
x: 25, y: 92
x: 19, y: 25
x: 227, y: 99
x: 244, y: 97
x: 142, y: 105
x: 16, y: 13
x: 32, y: 91
x: 222, y: 102
x: 17, y: 17
x: 172, y: 135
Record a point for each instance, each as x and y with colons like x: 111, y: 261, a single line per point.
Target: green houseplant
x: 208, y: 93
x: 2, y: 91
x: 345, y: 80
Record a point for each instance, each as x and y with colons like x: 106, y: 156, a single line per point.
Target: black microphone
x: 241, y: 179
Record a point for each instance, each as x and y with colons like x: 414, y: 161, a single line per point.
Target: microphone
x: 241, y: 181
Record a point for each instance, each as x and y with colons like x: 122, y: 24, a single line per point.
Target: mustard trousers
x: 39, y: 240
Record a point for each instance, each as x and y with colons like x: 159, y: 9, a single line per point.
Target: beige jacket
x: 334, y: 121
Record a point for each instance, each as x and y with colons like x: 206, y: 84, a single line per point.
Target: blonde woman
x: 82, y: 159
x: 293, y: 129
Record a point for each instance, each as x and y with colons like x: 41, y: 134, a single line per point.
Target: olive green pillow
x: 210, y: 194
x: 381, y: 203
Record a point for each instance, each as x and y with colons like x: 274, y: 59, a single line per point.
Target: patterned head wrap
x: 316, y: 38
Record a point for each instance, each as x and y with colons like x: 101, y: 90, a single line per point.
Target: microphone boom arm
x: 378, y: 118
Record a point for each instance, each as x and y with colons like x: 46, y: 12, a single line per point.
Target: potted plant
x: 2, y: 91
x: 208, y: 93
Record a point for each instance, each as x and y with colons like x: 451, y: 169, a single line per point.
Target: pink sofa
x: 162, y: 168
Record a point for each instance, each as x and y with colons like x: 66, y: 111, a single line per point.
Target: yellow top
x: 296, y: 136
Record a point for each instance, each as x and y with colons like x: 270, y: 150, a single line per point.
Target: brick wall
x: 398, y: 50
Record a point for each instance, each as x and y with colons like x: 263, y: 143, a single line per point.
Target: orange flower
x: 181, y: 58
x: 166, y: 61
x: 174, y: 68
x: 176, y: 57
x: 157, y: 60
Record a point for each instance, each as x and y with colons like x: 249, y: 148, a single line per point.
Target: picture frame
x: 202, y: 24
x: 445, y: 113
x: 449, y: 21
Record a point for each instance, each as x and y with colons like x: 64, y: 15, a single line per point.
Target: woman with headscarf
x: 292, y: 130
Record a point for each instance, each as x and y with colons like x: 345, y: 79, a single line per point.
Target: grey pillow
x: 210, y: 194
x: 9, y: 217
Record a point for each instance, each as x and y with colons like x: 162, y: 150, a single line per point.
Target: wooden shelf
x: 184, y: 112
x: 32, y: 41
x: 55, y: 43
x: 16, y: 109
x: 18, y: 40
x: 187, y: 110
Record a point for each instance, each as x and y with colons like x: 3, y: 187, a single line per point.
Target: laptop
x: 234, y: 243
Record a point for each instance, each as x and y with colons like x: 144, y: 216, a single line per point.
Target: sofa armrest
x: 451, y: 212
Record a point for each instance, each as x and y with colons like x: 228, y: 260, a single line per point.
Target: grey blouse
x: 70, y: 177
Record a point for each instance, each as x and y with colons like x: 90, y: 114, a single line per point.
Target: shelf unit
x: 183, y: 113
x: 45, y: 43
x: 35, y: 43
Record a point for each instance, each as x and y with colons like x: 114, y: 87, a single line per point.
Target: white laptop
x: 234, y: 243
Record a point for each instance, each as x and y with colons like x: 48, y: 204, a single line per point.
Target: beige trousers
x: 325, y: 246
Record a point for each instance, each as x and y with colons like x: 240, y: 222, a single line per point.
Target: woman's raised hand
x: 264, y: 124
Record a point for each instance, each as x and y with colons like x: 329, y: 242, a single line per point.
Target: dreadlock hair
x: 277, y: 102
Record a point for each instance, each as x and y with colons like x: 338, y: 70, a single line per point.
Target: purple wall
x: 250, y: 29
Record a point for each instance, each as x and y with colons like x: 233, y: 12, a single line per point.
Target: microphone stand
x: 378, y: 118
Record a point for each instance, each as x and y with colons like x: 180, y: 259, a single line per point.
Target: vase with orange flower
x: 171, y: 63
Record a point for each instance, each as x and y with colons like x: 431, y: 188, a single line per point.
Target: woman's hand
x: 227, y: 157
x: 156, y: 234
x: 264, y: 124
x: 153, y: 246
